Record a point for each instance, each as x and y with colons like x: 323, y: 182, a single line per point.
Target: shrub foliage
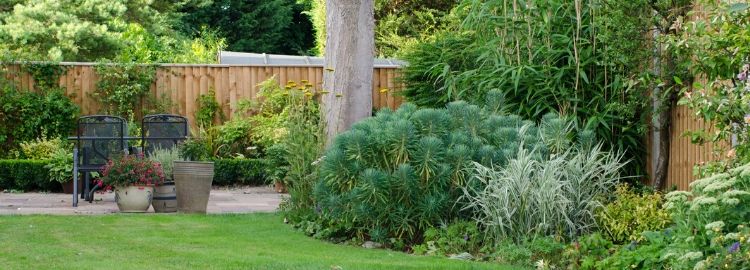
x: 398, y: 173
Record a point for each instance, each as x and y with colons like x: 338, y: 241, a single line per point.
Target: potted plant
x: 133, y: 178
x: 165, y: 194
x: 193, y: 177
x: 60, y: 169
x: 276, y: 167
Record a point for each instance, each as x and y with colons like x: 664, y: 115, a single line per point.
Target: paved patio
x: 222, y: 200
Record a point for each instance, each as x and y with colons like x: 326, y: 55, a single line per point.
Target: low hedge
x: 26, y: 174
x: 239, y: 171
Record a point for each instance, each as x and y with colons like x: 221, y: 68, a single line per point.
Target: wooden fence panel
x: 183, y: 84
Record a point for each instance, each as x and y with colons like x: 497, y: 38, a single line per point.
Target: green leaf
x: 677, y: 80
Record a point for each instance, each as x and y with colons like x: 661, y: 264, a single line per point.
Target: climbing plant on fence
x: 121, y: 86
x: 46, y: 74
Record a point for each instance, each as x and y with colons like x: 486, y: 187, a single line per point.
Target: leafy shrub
x: 195, y: 149
x: 26, y: 115
x: 272, y: 112
x: 534, y: 196
x: 643, y: 254
x: 585, y: 252
x: 277, y: 166
x: 706, y: 221
x: 25, y: 174
x: 544, y: 252
x: 239, y: 171
x: 61, y: 166
x: 232, y: 139
x: 208, y: 109
x: 304, y: 146
x: 714, y: 205
x: 165, y: 157
x: 121, y: 86
x: 399, y: 173
x: 42, y: 148
x: 731, y: 250
x: 541, y: 57
x: 458, y: 237
x: 631, y: 214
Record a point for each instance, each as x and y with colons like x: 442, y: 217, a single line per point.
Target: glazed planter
x: 133, y: 199
x: 165, y: 198
x: 193, y: 184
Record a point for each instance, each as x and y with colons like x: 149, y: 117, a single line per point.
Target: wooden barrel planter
x: 165, y: 198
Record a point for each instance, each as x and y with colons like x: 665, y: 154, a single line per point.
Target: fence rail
x: 183, y: 84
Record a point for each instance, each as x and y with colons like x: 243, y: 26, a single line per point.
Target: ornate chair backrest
x: 162, y: 131
x: 100, y: 138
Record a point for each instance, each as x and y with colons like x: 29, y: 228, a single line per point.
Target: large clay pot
x: 193, y: 181
x: 165, y: 198
x: 133, y: 199
x: 67, y: 187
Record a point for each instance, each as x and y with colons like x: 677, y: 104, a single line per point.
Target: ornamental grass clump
x: 531, y: 196
x: 130, y: 170
x: 392, y: 176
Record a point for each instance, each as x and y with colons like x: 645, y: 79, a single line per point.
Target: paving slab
x: 222, y: 200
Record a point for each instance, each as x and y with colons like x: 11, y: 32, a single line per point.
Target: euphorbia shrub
x: 394, y: 175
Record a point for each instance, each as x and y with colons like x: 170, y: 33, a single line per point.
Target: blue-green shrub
x: 398, y: 173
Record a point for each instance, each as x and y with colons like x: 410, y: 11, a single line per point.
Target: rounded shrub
x: 394, y: 175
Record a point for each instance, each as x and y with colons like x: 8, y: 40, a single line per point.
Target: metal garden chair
x: 162, y: 131
x: 98, y: 139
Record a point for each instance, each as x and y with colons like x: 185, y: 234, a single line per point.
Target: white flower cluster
x: 714, y: 226
x: 691, y: 256
x: 700, y: 201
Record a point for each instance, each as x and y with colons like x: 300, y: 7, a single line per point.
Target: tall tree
x: 349, y: 54
x: 77, y: 30
x: 269, y: 26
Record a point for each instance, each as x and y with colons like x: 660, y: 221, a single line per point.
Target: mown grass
x: 248, y: 241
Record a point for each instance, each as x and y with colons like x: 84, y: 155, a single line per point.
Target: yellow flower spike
x: 308, y: 85
x: 339, y: 95
x: 324, y: 92
x: 384, y: 90
x: 304, y: 81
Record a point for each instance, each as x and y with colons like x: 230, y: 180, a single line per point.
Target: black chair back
x: 162, y: 131
x: 100, y: 138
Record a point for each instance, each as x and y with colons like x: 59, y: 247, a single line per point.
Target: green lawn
x: 251, y: 241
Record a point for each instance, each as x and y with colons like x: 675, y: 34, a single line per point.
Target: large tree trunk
x: 662, y: 126
x: 663, y: 97
x: 349, y: 53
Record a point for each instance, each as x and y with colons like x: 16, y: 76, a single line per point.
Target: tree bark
x: 349, y: 53
x: 662, y: 126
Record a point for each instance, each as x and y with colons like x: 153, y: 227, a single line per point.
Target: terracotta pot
x: 280, y: 187
x: 134, y: 199
x: 165, y: 198
x: 67, y: 187
x: 193, y: 181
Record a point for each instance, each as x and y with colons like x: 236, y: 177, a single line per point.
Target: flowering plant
x: 132, y: 170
